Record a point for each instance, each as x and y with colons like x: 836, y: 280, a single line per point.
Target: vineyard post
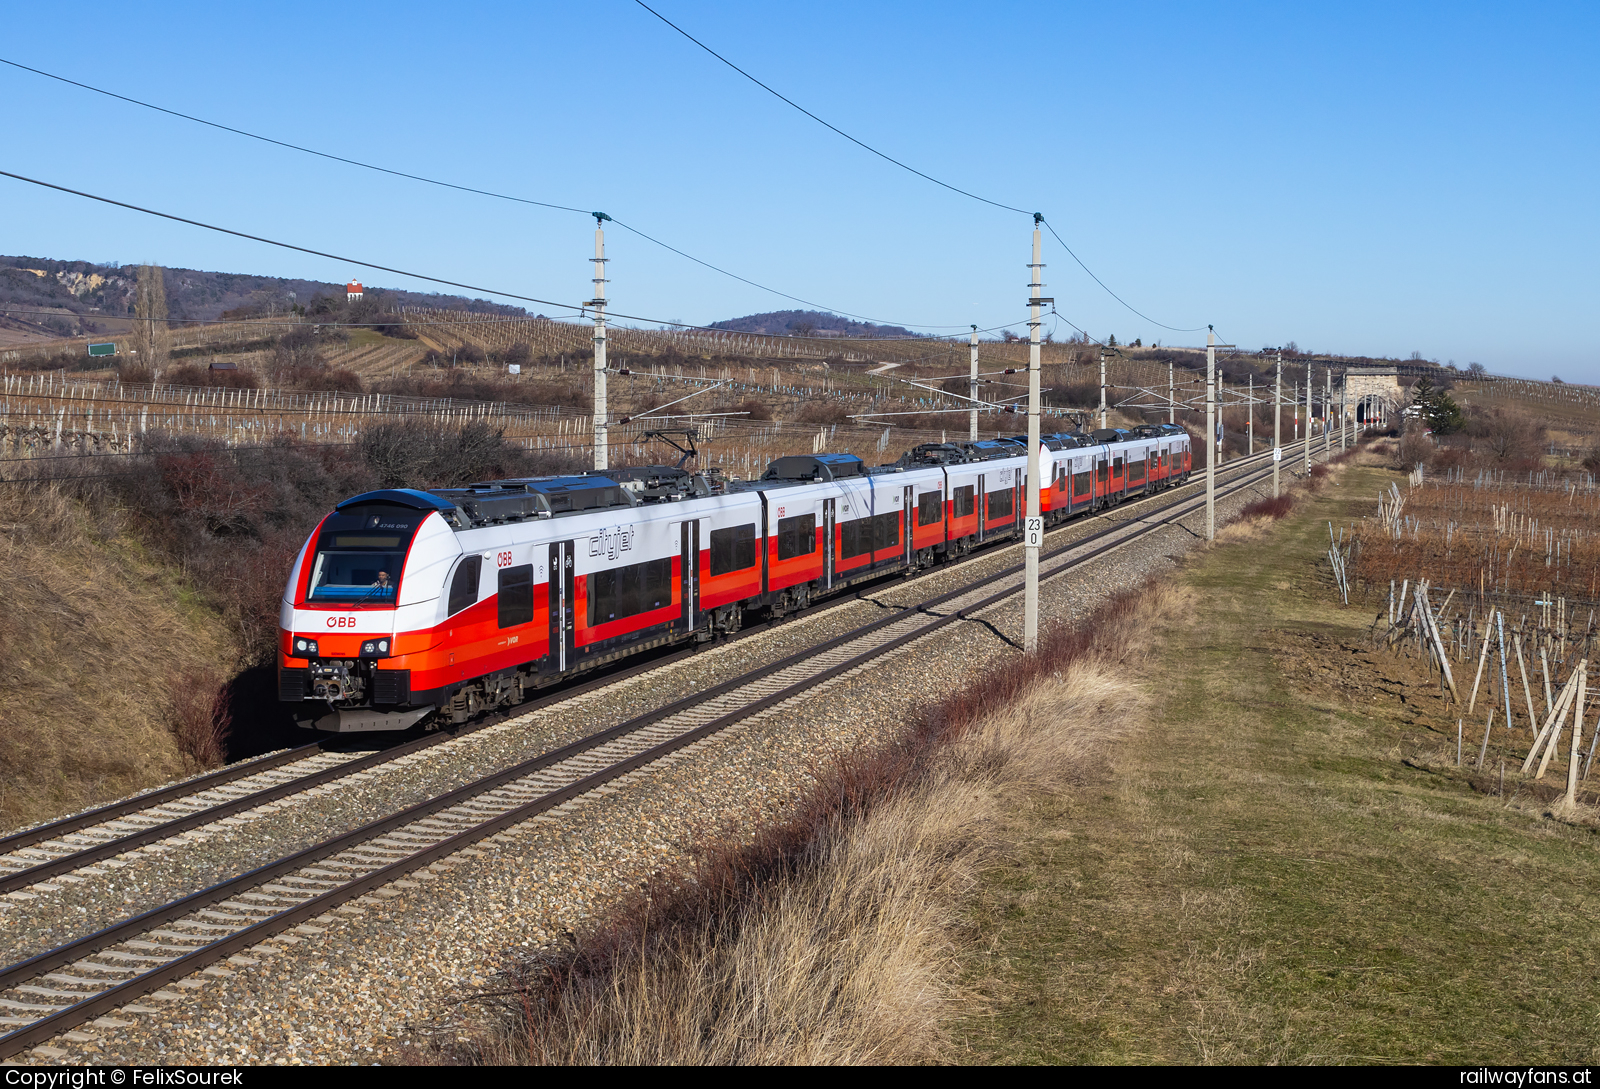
x: 1577, y: 737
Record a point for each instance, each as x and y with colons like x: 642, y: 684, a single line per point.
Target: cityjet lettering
x: 610, y: 542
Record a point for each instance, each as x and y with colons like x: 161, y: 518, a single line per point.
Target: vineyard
x: 1529, y: 547
x: 43, y: 416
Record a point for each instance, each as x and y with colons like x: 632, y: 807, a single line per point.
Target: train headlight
x: 305, y: 648
x: 375, y: 648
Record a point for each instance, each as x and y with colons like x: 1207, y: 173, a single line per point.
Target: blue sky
x: 1374, y: 178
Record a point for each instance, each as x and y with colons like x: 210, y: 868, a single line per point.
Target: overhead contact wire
x: 834, y: 128
x: 452, y: 185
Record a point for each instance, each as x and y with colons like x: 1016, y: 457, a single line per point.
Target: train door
x: 827, y: 543
x: 562, y: 597
x: 908, y: 517
x: 688, y: 570
x: 983, y: 508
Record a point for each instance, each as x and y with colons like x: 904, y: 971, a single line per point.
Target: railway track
x: 57, y: 990
x: 61, y: 848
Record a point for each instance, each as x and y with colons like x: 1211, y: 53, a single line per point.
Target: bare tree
x: 151, y: 337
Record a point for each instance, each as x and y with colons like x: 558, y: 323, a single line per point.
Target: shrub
x: 1416, y: 448
x: 1273, y: 507
x: 757, y: 410
x: 199, y: 716
x: 200, y: 374
x: 822, y: 413
x: 413, y: 454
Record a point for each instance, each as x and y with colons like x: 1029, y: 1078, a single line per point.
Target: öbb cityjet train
x: 408, y: 604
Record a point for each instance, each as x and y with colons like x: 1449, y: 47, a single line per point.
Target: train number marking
x: 502, y: 559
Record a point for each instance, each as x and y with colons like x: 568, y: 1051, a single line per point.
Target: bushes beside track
x: 216, y: 528
x: 824, y: 939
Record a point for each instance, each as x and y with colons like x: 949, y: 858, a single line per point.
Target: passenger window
x: 464, y: 587
x: 1080, y: 483
x: 855, y: 538
x: 628, y: 591
x: 797, y: 536
x: 885, y: 530
x: 964, y: 502
x: 930, y: 509
x: 516, y: 595
x: 733, y: 549
x: 1000, y: 504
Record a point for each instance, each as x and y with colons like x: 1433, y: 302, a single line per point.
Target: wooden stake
x: 1527, y: 692
x: 1550, y: 726
x: 1561, y: 721
x: 1484, y: 751
x: 1438, y: 641
x: 1483, y: 656
x: 1577, y: 736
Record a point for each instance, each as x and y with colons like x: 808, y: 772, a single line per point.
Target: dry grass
x: 87, y: 637
x: 830, y: 940
x: 1286, y: 866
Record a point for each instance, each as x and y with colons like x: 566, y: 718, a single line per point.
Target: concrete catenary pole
x: 972, y: 390
x: 1307, y: 447
x: 1277, y: 427
x: 1250, y: 420
x: 599, y: 304
x: 1211, y: 434
x: 1344, y: 411
x: 1103, y: 387
x: 1033, y: 530
x: 1327, y: 413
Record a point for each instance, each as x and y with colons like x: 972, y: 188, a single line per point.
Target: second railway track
x: 49, y: 993
x: 61, y: 848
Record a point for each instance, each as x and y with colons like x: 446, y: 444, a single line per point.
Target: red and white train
x: 404, y: 603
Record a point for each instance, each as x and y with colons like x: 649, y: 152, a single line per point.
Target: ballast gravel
x: 378, y: 979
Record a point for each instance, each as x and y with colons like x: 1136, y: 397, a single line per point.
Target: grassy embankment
x: 1285, y: 865
x: 93, y: 631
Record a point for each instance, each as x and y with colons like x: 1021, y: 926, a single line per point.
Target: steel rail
x: 20, y: 879
x: 28, y: 837
x: 182, y: 965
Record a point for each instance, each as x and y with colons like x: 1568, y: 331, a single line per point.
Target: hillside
x: 808, y: 323
x: 88, y: 298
